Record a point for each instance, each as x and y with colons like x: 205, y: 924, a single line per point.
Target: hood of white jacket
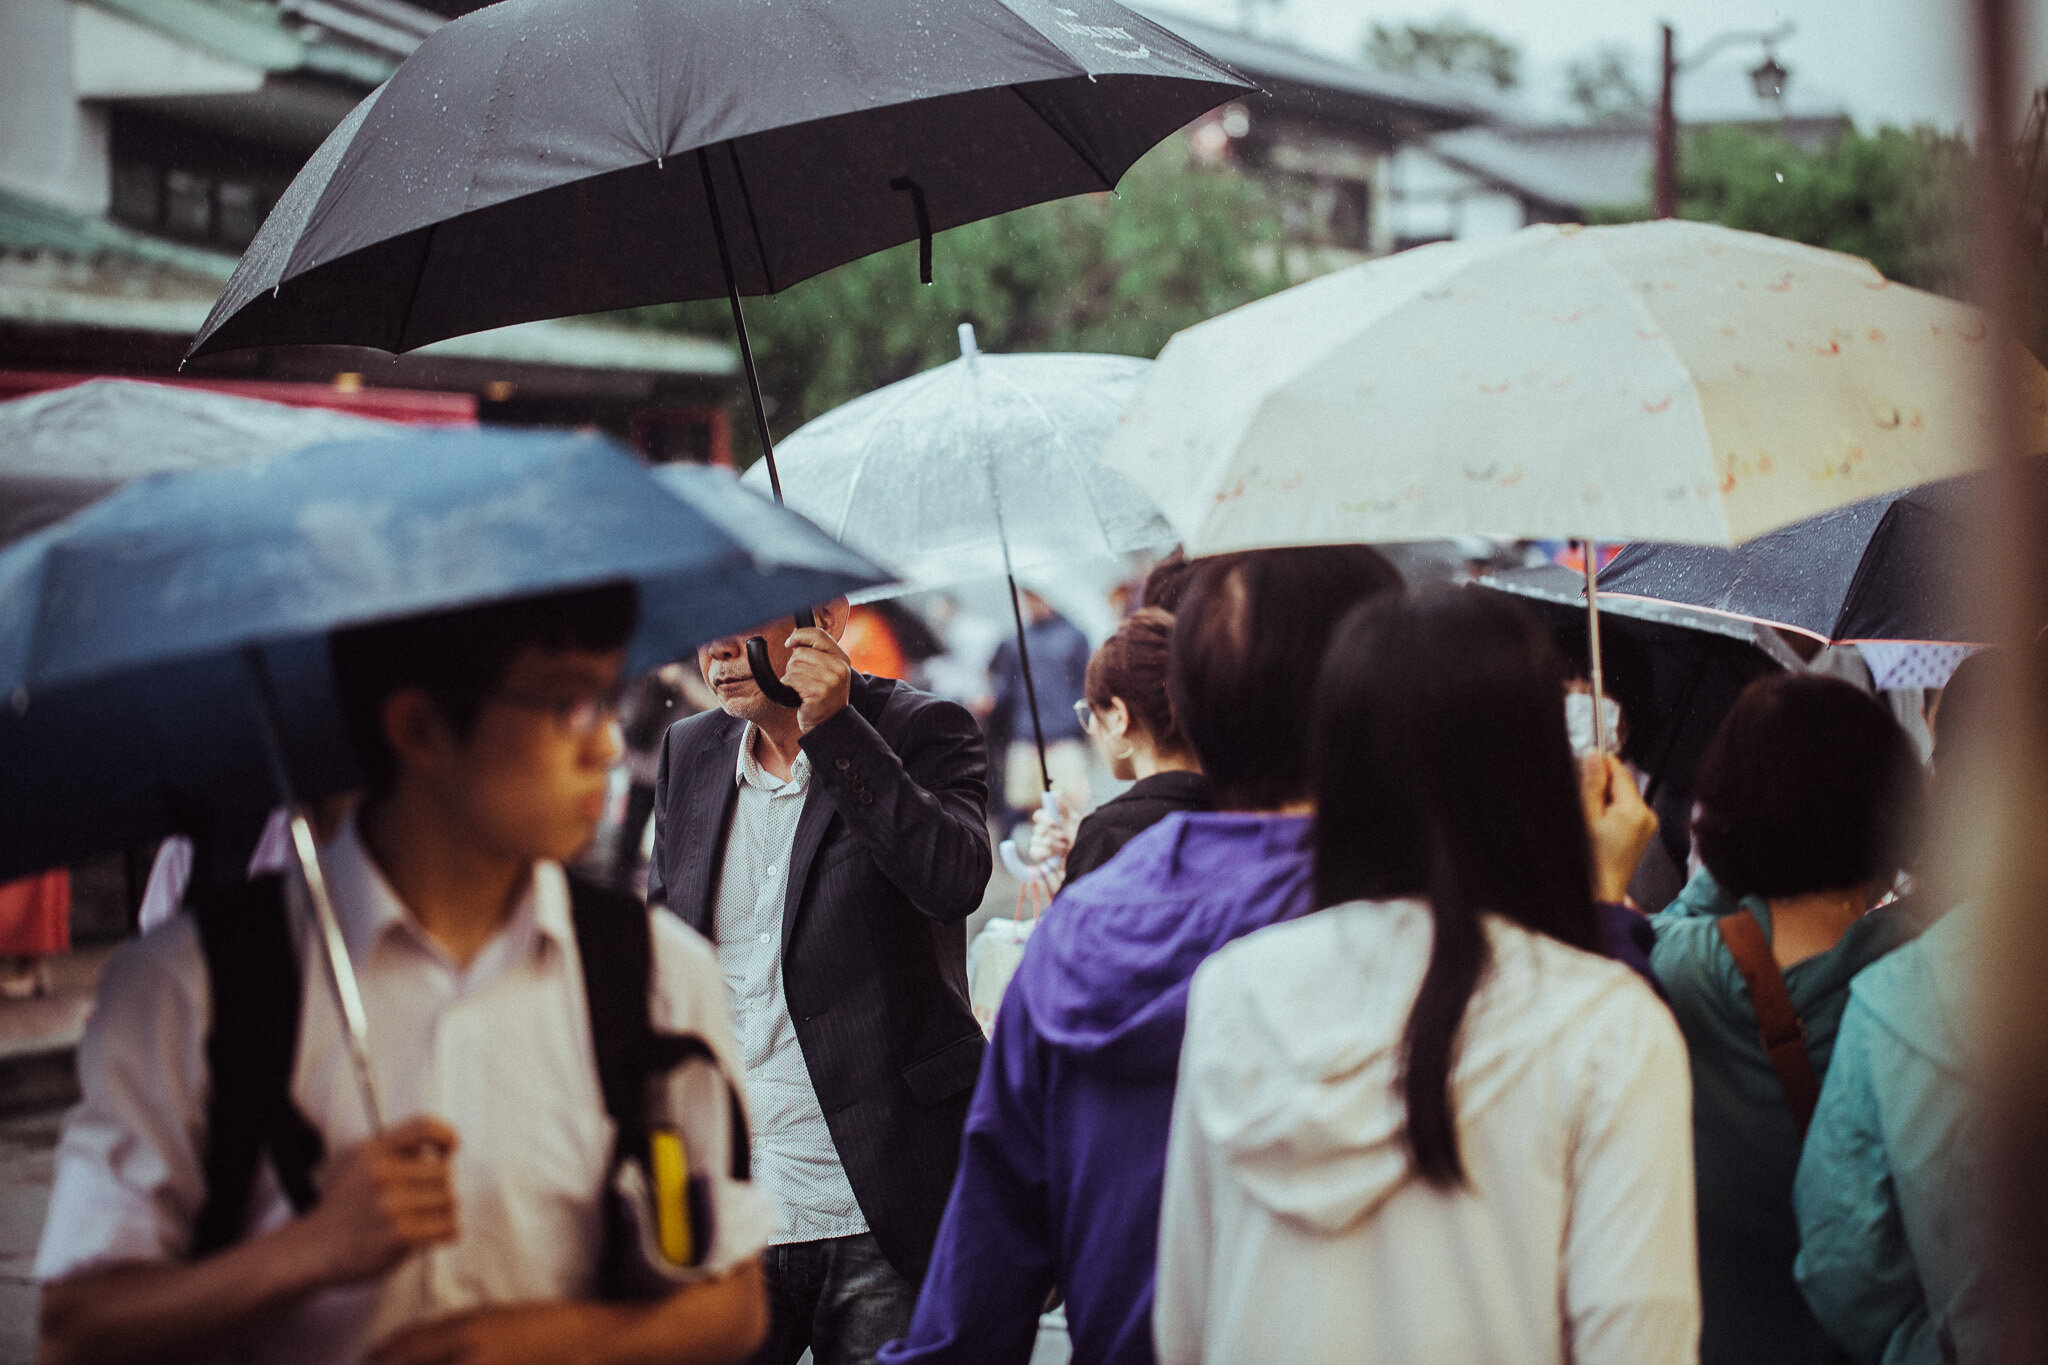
x: 1298, y: 1087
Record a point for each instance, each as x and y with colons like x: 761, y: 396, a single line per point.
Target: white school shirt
x: 500, y: 1050
x: 793, y: 1148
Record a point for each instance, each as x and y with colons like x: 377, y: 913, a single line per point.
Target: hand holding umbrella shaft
x: 1620, y: 823
x: 820, y: 673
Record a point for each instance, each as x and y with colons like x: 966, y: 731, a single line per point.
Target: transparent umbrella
x: 982, y: 466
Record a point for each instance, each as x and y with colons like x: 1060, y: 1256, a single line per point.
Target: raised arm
x: 919, y: 814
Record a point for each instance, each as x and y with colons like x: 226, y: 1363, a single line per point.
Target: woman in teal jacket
x: 1891, y: 1253
x: 1805, y: 797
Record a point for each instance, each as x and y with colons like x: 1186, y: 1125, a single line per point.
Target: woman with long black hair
x: 1430, y: 1121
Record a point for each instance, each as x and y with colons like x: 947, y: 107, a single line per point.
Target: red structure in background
x: 426, y: 407
x: 694, y: 435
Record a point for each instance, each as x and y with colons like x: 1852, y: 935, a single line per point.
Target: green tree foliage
x: 1898, y: 198
x: 1113, y: 273
x: 1603, y: 88
x: 1449, y: 45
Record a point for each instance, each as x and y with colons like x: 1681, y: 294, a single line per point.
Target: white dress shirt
x: 500, y: 1050
x: 793, y: 1149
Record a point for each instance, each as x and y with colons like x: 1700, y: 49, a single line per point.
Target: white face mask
x: 1578, y: 721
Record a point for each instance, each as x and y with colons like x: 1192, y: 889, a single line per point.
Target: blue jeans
x: 839, y: 1297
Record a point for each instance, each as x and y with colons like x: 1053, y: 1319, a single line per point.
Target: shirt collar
x: 748, y: 772
x: 368, y: 908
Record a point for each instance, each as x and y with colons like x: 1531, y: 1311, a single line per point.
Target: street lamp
x: 1769, y: 78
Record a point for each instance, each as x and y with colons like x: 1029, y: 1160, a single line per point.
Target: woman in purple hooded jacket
x: 1062, y: 1161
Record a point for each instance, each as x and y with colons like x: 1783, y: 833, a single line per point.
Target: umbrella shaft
x: 739, y: 320
x: 1030, y: 689
x: 341, y: 971
x: 1598, y: 678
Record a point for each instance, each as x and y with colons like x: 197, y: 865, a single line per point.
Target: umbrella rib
x: 1076, y: 148
x: 732, y: 153
x: 1651, y: 322
x: 1080, y: 467
x: 418, y: 277
x: 867, y: 450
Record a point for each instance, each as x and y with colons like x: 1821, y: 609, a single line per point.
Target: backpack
x: 252, y: 1044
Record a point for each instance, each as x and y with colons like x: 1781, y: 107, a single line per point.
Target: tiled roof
x: 31, y: 227
x: 1579, y: 166
x: 79, y: 271
x: 359, y: 41
x: 1339, y: 85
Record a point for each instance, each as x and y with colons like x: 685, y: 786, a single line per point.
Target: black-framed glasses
x: 578, y: 714
x: 1085, y: 713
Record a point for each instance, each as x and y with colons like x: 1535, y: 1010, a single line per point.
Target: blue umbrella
x: 179, y: 566
x: 188, y: 611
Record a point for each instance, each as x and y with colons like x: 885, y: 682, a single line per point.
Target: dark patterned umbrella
x: 1893, y: 567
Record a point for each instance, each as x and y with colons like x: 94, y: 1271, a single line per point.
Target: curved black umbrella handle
x: 772, y: 687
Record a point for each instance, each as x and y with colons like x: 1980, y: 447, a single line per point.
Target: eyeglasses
x: 1085, y: 713
x: 577, y: 714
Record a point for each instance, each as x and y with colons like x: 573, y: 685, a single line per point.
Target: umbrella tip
x: 968, y: 345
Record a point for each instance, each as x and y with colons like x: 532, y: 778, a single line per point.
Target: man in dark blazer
x: 832, y: 853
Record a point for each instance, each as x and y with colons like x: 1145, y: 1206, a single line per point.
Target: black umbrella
x: 540, y: 158
x: 1893, y: 567
x: 1674, y: 671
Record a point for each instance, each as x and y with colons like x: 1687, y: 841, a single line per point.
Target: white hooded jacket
x: 1294, y: 1227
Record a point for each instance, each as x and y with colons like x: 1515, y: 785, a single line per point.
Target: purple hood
x: 1107, y: 973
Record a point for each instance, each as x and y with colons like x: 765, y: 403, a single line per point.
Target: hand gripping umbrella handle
x: 772, y: 687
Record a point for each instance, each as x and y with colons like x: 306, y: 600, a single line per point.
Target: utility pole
x: 1667, y: 131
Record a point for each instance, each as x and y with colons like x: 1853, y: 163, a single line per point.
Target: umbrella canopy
x: 1675, y: 672
x: 1893, y: 567
x: 1663, y: 381
x: 132, y: 714
x: 178, y: 566
x: 538, y: 158
x: 980, y: 467
x: 64, y: 448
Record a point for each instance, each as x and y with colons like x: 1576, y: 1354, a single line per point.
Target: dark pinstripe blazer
x: 891, y: 856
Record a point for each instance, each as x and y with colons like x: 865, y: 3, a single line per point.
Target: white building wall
x: 1429, y: 198
x: 53, y: 147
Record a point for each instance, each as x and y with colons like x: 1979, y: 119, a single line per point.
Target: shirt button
x: 766, y: 937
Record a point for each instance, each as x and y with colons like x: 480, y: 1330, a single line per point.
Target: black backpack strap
x: 616, y: 943
x: 251, y: 1043
x: 615, y: 939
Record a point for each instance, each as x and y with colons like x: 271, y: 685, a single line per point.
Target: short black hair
x: 1809, y: 785
x: 459, y: 657
x: 1248, y: 641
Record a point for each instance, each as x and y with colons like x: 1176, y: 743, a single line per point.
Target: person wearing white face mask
x: 1129, y: 716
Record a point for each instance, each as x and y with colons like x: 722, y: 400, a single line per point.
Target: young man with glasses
x: 473, y: 1227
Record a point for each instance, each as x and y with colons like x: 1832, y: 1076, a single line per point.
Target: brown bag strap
x: 1778, y: 1026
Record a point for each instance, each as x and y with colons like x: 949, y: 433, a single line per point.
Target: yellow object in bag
x: 671, y: 1196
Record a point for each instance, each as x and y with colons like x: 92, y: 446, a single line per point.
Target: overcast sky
x: 1894, y: 61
